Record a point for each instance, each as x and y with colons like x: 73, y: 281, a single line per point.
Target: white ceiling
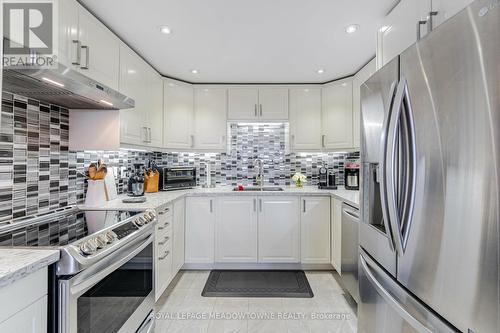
x: 243, y: 41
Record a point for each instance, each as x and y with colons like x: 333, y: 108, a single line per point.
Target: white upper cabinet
x: 273, y: 103
x: 279, y: 229
x: 305, y: 119
x: 243, y: 103
x: 133, y: 83
x: 337, y: 115
x: 154, y: 102
x: 69, y: 45
x: 258, y: 104
x: 445, y: 9
x: 399, y: 29
x: 315, y: 230
x: 236, y: 230
x: 99, y: 49
x: 360, y: 78
x: 210, y: 111
x: 178, y: 115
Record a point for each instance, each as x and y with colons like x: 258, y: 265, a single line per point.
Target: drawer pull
x: 164, y: 241
x: 164, y: 256
x: 161, y: 227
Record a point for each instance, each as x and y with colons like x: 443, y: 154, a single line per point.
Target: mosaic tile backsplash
x: 38, y: 173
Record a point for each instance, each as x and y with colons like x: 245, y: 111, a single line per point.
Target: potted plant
x: 299, y: 179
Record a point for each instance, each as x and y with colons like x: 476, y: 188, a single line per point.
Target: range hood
x: 65, y: 87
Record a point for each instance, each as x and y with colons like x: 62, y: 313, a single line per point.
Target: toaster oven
x: 175, y: 178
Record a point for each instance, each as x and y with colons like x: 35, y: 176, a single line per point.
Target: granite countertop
x: 155, y: 200
x: 16, y: 263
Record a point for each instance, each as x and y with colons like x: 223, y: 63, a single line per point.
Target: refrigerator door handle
x: 381, y: 171
x: 401, y: 128
x: 412, y: 310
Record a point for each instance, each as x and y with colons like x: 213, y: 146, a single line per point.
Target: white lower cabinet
x: 163, y: 250
x: 178, y: 235
x: 32, y: 319
x: 236, y: 230
x: 315, y: 230
x: 23, y: 304
x: 279, y: 229
x: 336, y: 236
x: 200, y: 230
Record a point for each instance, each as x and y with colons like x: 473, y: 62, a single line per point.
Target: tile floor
x: 183, y: 309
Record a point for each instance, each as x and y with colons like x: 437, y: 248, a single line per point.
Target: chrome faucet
x: 260, y: 172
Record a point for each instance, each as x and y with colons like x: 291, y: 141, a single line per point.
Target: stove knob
x: 111, y: 236
x: 152, y: 216
x: 101, y: 241
x: 88, y: 247
x: 139, y: 222
x: 146, y: 218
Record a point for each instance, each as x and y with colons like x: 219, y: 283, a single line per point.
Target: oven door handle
x: 91, y: 276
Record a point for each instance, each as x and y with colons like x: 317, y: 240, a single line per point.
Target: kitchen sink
x: 257, y: 188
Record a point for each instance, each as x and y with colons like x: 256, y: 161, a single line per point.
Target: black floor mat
x: 257, y: 283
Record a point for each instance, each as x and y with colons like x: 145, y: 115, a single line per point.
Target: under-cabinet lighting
x: 52, y: 82
x: 106, y: 102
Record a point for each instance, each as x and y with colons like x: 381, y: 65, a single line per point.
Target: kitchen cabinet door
x: 178, y: 116
x: 446, y: 9
x: 337, y: 115
x: 200, y: 230
x: 363, y: 75
x: 100, y: 50
x: 399, y: 28
x: 236, y: 230
x: 279, y: 229
x: 133, y: 83
x: 305, y: 119
x: 68, y: 34
x: 210, y: 110
x: 315, y: 230
x: 178, y: 234
x: 32, y: 319
x: 336, y: 234
x: 243, y: 103
x: 273, y: 104
x: 155, y: 109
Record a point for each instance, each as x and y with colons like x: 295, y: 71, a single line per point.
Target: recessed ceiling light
x: 320, y: 71
x: 194, y: 71
x: 165, y: 30
x: 351, y: 28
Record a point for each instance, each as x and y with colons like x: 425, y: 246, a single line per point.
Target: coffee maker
x: 326, y: 179
x: 135, y: 186
x: 351, y: 176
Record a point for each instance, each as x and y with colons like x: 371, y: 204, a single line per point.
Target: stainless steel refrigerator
x: 429, y: 232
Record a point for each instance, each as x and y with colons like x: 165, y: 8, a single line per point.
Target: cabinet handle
x: 254, y: 205
x: 164, y: 256
x: 163, y: 212
x: 165, y: 240
x: 192, y: 140
x: 255, y: 110
x: 150, y: 135
x: 87, y: 55
x: 261, y: 110
x: 304, y: 205
x: 211, y: 206
x: 260, y: 205
x: 419, y: 33
x: 293, y: 141
x: 323, y: 140
x: 78, y: 52
x: 430, y: 26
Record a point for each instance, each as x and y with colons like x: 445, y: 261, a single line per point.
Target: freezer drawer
x: 385, y: 307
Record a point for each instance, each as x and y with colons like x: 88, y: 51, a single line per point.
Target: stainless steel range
x: 103, y: 281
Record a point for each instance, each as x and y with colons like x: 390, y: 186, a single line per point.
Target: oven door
x: 114, y: 295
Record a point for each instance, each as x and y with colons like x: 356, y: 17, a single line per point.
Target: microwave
x: 175, y: 178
